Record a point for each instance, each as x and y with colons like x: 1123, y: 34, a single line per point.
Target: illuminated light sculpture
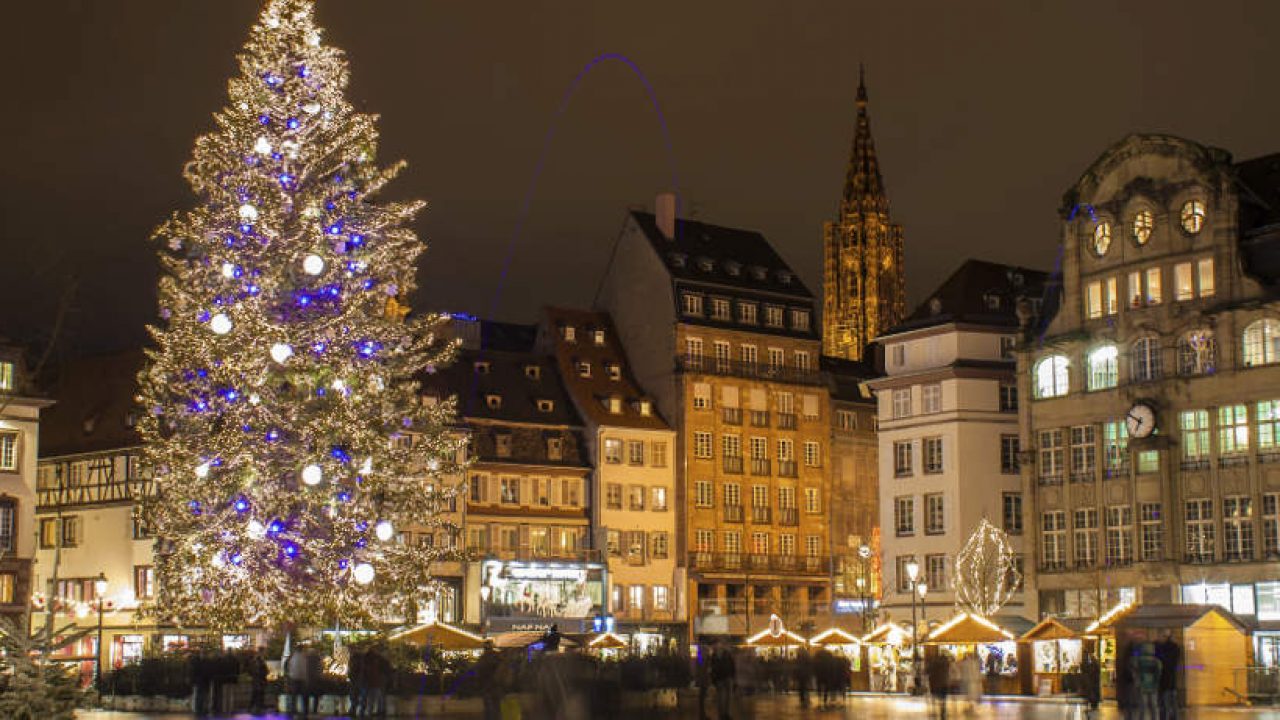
x: 277, y: 526
x: 986, y: 574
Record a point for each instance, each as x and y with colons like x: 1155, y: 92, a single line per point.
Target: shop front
x: 997, y: 652
x: 519, y: 595
x: 1056, y: 652
x: 887, y: 657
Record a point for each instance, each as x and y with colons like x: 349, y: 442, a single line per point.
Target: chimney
x: 664, y: 210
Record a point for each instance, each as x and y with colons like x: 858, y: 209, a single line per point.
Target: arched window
x: 1197, y: 353
x: 1192, y: 216
x: 1102, y: 367
x: 1262, y: 342
x: 1144, y: 363
x: 1051, y: 376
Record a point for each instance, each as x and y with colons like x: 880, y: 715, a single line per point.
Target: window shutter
x: 729, y: 396
x: 759, y: 400
x: 811, y: 406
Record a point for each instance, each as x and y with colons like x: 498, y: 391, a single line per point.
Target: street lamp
x: 923, y: 589
x: 485, y: 592
x: 100, y: 591
x: 913, y: 575
x: 864, y: 582
x: 861, y: 582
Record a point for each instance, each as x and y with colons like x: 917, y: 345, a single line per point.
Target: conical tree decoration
x: 986, y: 572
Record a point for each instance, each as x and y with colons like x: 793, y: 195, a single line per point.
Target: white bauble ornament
x: 281, y: 352
x: 311, y: 108
x: 228, y: 270
x: 262, y: 146
x: 383, y: 530
x: 338, y: 385
x: 366, y: 467
x: 248, y: 212
x: 313, y: 265
x: 202, y: 470
x: 312, y: 475
x: 255, y: 529
x: 254, y: 398
x: 220, y: 324
x: 363, y: 573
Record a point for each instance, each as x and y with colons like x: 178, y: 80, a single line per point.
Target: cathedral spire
x: 863, y: 186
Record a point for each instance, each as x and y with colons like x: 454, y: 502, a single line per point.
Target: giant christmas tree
x: 284, y: 429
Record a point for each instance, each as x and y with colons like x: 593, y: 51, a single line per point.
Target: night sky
x: 983, y: 113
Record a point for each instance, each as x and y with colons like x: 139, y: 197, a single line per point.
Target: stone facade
x: 1152, y: 461
x: 20, y: 410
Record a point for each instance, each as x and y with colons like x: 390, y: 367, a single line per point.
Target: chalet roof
x: 1174, y: 616
x: 968, y: 628
x: 1049, y: 629
x: 591, y: 394
x: 732, y: 257
x: 978, y: 292
x: 95, y: 408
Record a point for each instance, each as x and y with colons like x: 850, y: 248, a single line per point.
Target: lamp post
x: 485, y: 592
x: 923, y: 589
x: 864, y: 582
x: 861, y: 582
x: 100, y: 591
x: 913, y: 575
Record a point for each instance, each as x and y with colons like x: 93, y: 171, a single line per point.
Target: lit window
x: 902, y: 459
x: 1154, y: 296
x: 931, y: 448
x: 1183, y: 285
x: 1145, y: 360
x: 1143, y: 222
x: 613, y: 450
x: 1193, y: 216
x: 1197, y: 353
x: 720, y: 308
x: 1093, y: 300
x: 8, y: 525
x: 747, y: 313
x: 1233, y: 430
x: 659, y: 499
x: 701, y: 445
x: 904, y: 518
x: 1262, y: 342
x: 1051, y: 376
x: 1204, y: 270
x: 6, y: 376
x: 773, y: 316
x: 1148, y: 462
x: 1269, y: 426
x: 693, y: 353
x: 812, y: 453
x: 1101, y: 238
x: 691, y: 304
x: 614, y: 370
x: 703, y: 494
x: 597, y: 336
x: 1111, y: 296
x: 584, y: 369
x: 1102, y: 367
x: 1195, y: 436
x: 9, y: 451
x: 800, y: 320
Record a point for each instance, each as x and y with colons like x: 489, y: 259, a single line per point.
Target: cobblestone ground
x: 787, y: 707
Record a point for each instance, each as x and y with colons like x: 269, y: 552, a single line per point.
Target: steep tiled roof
x: 95, y: 407
x: 979, y: 292
x: 732, y: 257
x: 592, y: 393
x: 845, y: 378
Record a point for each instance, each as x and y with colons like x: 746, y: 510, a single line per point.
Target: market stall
x: 776, y: 640
x: 1100, y: 638
x: 887, y: 657
x: 440, y: 636
x: 1055, y: 651
x: 841, y: 643
x: 1214, y: 643
x: 997, y: 652
x: 606, y: 645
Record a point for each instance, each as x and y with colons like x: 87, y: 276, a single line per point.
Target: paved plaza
x: 787, y: 707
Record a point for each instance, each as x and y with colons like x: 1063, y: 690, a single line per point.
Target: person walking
x: 377, y: 678
x: 938, y: 670
x: 1169, y: 655
x: 1090, y: 683
x: 723, y: 670
x: 802, y: 673
x: 355, y: 681
x: 486, y: 678
x: 198, y: 667
x: 971, y: 682
x: 295, y: 670
x: 702, y: 673
x: 256, y: 669
x: 1126, y: 693
x: 1146, y: 678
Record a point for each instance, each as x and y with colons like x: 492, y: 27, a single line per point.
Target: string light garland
x: 280, y: 391
x: 986, y: 575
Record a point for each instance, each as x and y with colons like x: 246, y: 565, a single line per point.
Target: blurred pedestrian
x: 723, y: 672
x: 702, y: 674
x: 299, y: 687
x: 377, y: 678
x: 200, y: 671
x: 1169, y: 655
x: 1146, y: 678
x: 256, y: 669
x: 315, y: 675
x: 971, y: 682
x: 1090, y: 683
x: 802, y: 674
x: 938, y: 669
x: 1126, y: 694
x: 355, y: 680
x: 486, y: 677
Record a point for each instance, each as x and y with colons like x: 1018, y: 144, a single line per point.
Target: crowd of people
x: 213, y: 672
x: 1147, y: 678
x: 731, y: 673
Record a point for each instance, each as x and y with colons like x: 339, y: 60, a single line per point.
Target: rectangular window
x: 613, y: 451
x: 902, y: 403
x: 9, y: 451
x: 659, y: 497
x: 636, y: 495
x: 732, y: 494
x: 613, y: 496
x: 898, y: 354
x: 810, y: 407
x: 773, y: 316
x: 787, y: 544
x: 747, y: 313
x: 1233, y: 430
x: 1268, y: 424
x: 1271, y: 526
x: 732, y: 540
x: 722, y: 356
x: 1237, y: 528
x: 704, y: 541
x: 777, y: 359
x: 1195, y: 437
x: 1008, y: 397
x: 661, y: 601
x: 635, y: 452
x: 660, y: 544
x: 799, y: 319
x: 1119, y: 535
x: 787, y: 498
x: 786, y: 450
x: 812, y: 546
x: 1007, y: 345
x: 904, y: 577
x: 1009, y: 455
x: 658, y: 453
x: 1115, y: 443
x: 931, y: 398
x: 1204, y: 272
x: 812, y: 501
x: 144, y: 581
x: 701, y: 396
x: 635, y: 598
x: 1012, y: 513
x: 693, y: 353
x: 902, y: 458
x: 846, y: 420
x: 935, y: 571
x: 703, y: 494
x: 1053, y: 539
x: 812, y: 453
x: 1154, y: 296
x: 1148, y: 462
x: 1083, y: 451
x: 1135, y: 289
x: 1151, y: 525
x: 1052, y: 454
x: 932, y: 450
x: 802, y: 360
x: 719, y: 308
x: 1183, y: 285
x: 759, y: 543
x: 701, y: 444
x: 1111, y: 296
x: 750, y: 355
x: 731, y: 445
x: 904, y: 519
x: 934, y: 515
x: 8, y: 525
x: 691, y: 303
x: 1086, y: 537
x: 7, y: 376
x: 1200, y: 530
x: 1093, y: 300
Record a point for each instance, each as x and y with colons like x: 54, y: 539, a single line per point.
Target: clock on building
x: 1141, y: 420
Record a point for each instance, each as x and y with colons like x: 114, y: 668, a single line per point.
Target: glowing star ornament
x: 313, y: 265
x: 383, y: 530
x: 280, y: 352
x: 366, y: 467
x: 312, y: 475
x: 362, y: 573
x: 220, y: 324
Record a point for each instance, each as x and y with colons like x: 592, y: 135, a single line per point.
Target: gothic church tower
x: 864, y: 287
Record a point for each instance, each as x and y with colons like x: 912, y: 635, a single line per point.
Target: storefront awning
x: 966, y: 628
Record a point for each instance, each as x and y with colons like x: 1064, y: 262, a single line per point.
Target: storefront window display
x: 572, y: 590
x: 1057, y: 656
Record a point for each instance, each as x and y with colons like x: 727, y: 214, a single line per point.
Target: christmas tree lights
x: 284, y: 427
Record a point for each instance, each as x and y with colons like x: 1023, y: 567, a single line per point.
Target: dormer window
x: 748, y: 313
x: 482, y: 367
x: 784, y: 277
x: 614, y: 403
x: 733, y: 267
x: 614, y: 370
x: 597, y: 336
x: 502, y: 445
x: 584, y: 369
x: 555, y: 448
x: 705, y: 264
x: 130, y: 419
x: 677, y: 259
x: 720, y: 309
x: 799, y: 319
x: 533, y: 372
x: 773, y: 316
x: 691, y: 304
x: 759, y: 273
x: 570, y: 333
x: 992, y: 301
x: 546, y: 406
x: 493, y: 402
x: 645, y: 408
x: 7, y: 380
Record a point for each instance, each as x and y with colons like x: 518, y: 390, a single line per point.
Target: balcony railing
x: 759, y: 466
x: 761, y: 515
x: 1050, y: 479
x: 1082, y: 477
x: 714, y: 561
x: 787, y: 468
x: 760, y: 418
x: 737, y: 368
x: 733, y: 513
x: 788, y: 516
x: 1053, y: 566
x: 731, y: 415
x: 1199, y: 558
x: 786, y: 421
x: 1227, y: 461
x: 733, y: 464
x: 1269, y: 456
